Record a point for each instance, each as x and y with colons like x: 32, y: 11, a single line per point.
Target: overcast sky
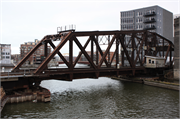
x: 26, y: 20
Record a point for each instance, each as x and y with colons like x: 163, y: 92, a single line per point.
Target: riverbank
x: 151, y: 82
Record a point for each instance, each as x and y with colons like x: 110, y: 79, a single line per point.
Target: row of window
x: 139, y: 27
x: 139, y: 20
x: 130, y: 14
x: 5, y: 57
x: 126, y: 14
x: 5, y: 53
x: 127, y: 27
x: 127, y: 20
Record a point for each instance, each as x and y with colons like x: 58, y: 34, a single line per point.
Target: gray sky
x: 26, y: 20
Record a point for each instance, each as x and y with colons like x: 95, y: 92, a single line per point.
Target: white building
x: 5, y: 54
x: 154, y: 62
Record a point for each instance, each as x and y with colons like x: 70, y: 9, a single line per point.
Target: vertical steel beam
x: 109, y: 51
x: 117, y: 52
x: 71, y: 54
x: 133, y: 47
x: 92, y: 49
x: 45, y: 50
x: 163, y: 48
x: 97, y: 54
x: 170, y: 56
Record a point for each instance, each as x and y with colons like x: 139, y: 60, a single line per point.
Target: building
x: 154, y: 19
x: 5, y: 58
x: 5, y: 54
x: 176, y: 47
x: 38, y: 56
x: 154, y: 62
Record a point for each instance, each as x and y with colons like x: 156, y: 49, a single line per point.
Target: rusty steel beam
x: 113, y: 57
x: 27, y: 56
x: 60, y: 55
x: 78, y: 57
x: 84, y: 52
x: 125, y: 51
x: 97, y: 54
x: 46, y: 61
x: 140, y: 47
x: 71, y: 54
x: 92, y: 50
x: 100, y: 51
x: 107, y: 50
x: 89, y: 33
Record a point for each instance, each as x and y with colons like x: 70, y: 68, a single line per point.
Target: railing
x: 149, y: 27
x: 66, y: 28
x: 149, y: 21
x: 24, y: 72
x: 149, y: 14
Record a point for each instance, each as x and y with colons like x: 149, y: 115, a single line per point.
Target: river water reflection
x: 99, y: 98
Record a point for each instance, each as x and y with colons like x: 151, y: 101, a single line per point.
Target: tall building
x: 5, y: 54
x: 38, y: 56
x: 154, y: 19
x: 176, y: 47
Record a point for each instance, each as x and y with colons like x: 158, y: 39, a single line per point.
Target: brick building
x: 38, y: 56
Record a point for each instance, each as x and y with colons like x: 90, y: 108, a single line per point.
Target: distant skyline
x: 24, y: 21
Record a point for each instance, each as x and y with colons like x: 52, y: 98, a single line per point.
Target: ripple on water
x: 99, y: 98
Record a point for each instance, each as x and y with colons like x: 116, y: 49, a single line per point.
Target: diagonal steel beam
x: 125, y: 51
x: 113, y: 56
x: 107, y: 50
x: 46, y: 61
x: 60, y: 55
x: 137, y: 56
x: 28, y: 55
x: 78, y: 57
x: 84, y: 52
x: 100, y: 51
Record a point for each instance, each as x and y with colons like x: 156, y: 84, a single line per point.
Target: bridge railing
x: 23, y: 72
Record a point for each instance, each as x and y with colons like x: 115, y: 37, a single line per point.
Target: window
x: 149, y: 60
x: 7, y: 57
x: 152, y: 62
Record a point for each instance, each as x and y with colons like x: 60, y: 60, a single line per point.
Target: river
x: 99, y: 98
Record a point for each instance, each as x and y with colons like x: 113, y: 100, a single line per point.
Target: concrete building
x: 5, y: 54
x: 5, y: 58
x: 38, y: 56
x: 176, y: 48
x: 154, y: 19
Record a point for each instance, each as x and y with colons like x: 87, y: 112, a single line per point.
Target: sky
x: 27, y: 20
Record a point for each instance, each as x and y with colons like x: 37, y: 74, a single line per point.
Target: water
x: 99, y: 98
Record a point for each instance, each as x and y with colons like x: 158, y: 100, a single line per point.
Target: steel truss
x: 134, y: 46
